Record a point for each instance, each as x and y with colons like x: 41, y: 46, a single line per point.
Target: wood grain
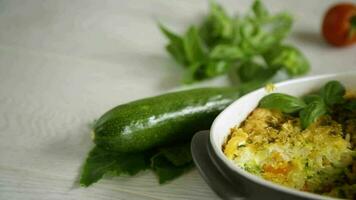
x: 64, y: 63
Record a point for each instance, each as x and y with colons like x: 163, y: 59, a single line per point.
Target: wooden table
x: 64, y: 63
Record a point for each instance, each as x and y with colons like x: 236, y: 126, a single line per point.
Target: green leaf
x: 193, y: 47
x: 312, y: 112
x: 100, y: 162
x: 257, y: 35
x: 218, y: 27
x: 252, y: 75
x: 178, y: 154
x: 278, y: 26
x: 175, y: 46
x: 259, y: 9
x: 249, y: 71
x: 250, y: 86
x: 288, y: 58
x: 187, y: 50
x: 350, y: 105
x: 227, y: 52
x: 165, y: 170
x: 282, y: 102
x: 170, y: 35
x: 202, y: 71
x: 333, y: 93
x: 311, y: 98
x: 222, y: 22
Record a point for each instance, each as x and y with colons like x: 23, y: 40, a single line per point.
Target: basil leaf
x: 311, y: 113
x: 175, y: 47
x: 311, y: 98
x: 249, y: 86
x: 165, y: 170
x: 288, y: 58
x: 259, y: 35
x: 259, y: 9
x: 209, y: 69
x: 250, y: 78
x: 249, y: 71
x: 350, y: 105
x: 185, y: 50
x: 100, y: 162
x: 227, y: 52
x: 333, y: 93
x: 193, y: 47
x: 218, y: 27
x: 277, y: 27
x: 282, y: 102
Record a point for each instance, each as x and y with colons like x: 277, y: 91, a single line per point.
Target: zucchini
x: 159, y: 120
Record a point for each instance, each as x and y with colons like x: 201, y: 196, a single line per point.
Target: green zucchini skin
x: 154, y: 121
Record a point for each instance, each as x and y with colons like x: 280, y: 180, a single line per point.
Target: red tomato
x: 339, y: 25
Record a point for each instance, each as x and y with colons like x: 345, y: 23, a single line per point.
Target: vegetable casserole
x: 319, y: 158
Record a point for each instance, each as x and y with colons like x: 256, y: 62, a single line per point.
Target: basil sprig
x: 311, y: 107
x: 223, y: 44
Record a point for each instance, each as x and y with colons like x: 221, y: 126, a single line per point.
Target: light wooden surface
x: 64, y: 63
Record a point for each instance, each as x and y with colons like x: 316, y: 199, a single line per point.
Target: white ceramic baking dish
x: 247, y: 184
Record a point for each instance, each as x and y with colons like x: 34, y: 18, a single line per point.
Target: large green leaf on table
x: 288, y: 58
x: 171, y: 162
x: 178, y: 154
x: 166, y: 170
x: 166, y: 162
x: 100, y: 162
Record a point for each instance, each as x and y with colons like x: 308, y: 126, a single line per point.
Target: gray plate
x: 204, y: 162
